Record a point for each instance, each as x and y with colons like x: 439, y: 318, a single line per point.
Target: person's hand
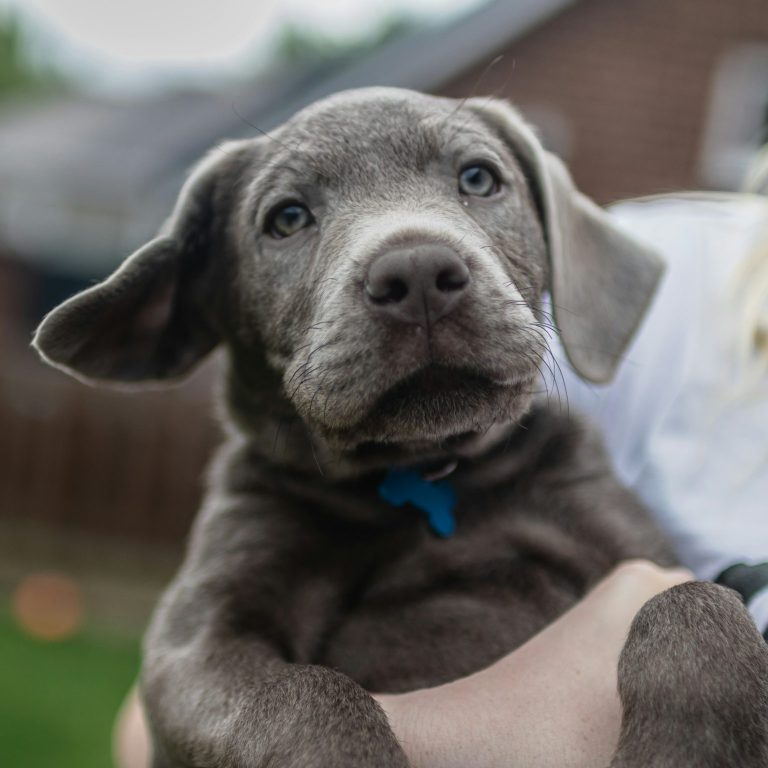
x: 131, y: 746
x: 553, y: 702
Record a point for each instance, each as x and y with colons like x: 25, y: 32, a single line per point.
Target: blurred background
x: 103, y: 108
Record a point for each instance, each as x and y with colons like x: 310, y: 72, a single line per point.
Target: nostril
x: 451, y: 279
x: 388, y: 292
x: 398, y: 290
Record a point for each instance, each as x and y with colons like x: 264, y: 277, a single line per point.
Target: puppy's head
x: 377, y: 265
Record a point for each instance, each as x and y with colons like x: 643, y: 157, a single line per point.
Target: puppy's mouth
x: 435, y: 387
x: 438, y: 402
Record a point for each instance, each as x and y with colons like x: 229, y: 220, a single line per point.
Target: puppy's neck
x: 264, y: 419
x: 343, y: 489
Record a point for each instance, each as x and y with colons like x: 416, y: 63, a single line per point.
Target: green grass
x: 58, y: 699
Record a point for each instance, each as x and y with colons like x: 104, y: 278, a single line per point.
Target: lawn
x: 58, y: 699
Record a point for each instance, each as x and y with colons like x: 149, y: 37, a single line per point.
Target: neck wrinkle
x: 269, y: 436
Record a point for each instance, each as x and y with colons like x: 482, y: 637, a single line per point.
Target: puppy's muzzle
x: 417, y: 284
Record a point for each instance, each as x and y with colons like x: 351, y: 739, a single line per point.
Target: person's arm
x: 553, y: 702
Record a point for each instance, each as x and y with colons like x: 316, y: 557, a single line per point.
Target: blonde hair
x: 744, y: 379
x: 756, y: 177
x: 751, y: 285
x: 750, y: 296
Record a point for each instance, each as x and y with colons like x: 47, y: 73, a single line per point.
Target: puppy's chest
x: 442, y: 608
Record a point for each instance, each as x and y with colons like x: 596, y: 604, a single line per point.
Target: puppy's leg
x: 233, y: 703
x: 693, y: 680
x: 221, y: 679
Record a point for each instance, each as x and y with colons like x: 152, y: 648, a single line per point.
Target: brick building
x: 640, y: 96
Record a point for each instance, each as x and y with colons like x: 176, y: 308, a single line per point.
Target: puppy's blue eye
x: 287, y: 220
x: 478, y: 180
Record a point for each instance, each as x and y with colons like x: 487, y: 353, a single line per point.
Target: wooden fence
x: 100, y: 461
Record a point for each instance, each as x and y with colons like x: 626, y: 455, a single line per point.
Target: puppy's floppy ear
x: 601, y: 280
x: 153, y: 318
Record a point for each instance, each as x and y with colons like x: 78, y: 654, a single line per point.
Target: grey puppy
x: 375, y: 271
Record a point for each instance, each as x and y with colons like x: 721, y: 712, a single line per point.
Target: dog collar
x: 435, y: 497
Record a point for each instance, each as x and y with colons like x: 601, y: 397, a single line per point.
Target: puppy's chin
x: 437, y: 404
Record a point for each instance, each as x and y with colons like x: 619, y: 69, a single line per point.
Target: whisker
x: 473, y: 90
x: 256, y: 128
x: 288, y: 147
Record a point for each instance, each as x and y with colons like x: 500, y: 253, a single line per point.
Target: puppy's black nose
x: 416, y: 284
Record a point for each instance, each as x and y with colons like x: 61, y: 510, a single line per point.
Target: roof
x: 85, y: 181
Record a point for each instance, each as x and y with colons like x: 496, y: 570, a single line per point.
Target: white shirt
x: 693, y: 450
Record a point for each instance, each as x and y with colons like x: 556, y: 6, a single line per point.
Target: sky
x: 130, y: 44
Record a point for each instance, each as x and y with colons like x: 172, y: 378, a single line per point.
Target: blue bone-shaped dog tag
x: 436, y: 499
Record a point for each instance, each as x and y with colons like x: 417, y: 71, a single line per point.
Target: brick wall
x: 632, y: 80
